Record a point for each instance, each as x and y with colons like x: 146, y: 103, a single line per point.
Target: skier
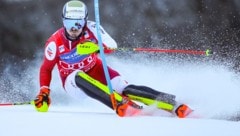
x: 78, y: 70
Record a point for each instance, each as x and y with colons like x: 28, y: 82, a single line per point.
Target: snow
x: 62, y: 121
x: 211, y: 90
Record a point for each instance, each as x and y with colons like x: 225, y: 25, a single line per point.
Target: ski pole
x: 104, y: 63
x: 15, y: 103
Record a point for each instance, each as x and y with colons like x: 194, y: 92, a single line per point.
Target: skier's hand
x: 42, y: 101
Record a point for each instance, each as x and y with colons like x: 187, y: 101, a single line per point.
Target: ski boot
x: 183, y: 111
x: 128, y: 108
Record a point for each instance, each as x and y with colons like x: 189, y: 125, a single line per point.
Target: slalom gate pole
x: 89, y: 49
x: 14, y: 104
x: 104, y: 63
x: 157, y: 50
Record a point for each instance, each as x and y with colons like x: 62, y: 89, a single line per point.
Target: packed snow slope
x: 210, y: 88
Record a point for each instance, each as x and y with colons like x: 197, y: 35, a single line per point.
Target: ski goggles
x: 73, y: 23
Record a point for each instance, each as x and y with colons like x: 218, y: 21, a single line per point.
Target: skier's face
x: 73, y: 33
x: 74, y: 27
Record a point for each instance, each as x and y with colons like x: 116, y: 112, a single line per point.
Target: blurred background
x: 25, y: 25
x: 186, y: 24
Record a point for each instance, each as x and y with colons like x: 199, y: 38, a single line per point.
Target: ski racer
x: 83, y: 74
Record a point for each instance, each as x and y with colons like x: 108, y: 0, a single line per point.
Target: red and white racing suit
x: 62, y: 52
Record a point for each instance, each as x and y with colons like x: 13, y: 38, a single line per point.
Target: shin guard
x: 95, y: 89
x: 150, y: 96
